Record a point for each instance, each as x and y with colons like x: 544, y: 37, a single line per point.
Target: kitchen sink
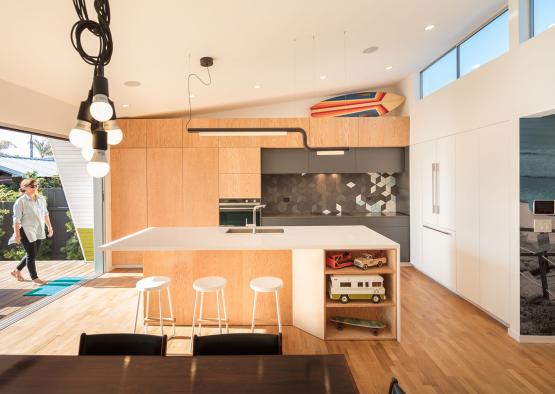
x: 243, y: 230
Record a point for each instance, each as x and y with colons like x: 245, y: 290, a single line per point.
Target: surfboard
x: 362, y: 104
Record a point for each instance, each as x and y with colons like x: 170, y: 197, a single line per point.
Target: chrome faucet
x: 254, y: 215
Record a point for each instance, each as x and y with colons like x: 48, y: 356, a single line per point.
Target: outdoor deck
x: 11, y: 291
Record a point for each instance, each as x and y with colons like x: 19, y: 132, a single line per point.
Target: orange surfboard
x: 362, y: 104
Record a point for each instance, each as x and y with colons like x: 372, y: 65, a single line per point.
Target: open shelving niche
x: 385, y: 311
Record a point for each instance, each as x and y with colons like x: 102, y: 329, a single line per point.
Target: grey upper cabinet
x: 390, y: 160
x: 356, y: 160
x: 336, y: 164
x: 284, y: 161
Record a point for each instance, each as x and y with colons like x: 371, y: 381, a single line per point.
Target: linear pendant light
x: 261, y: 131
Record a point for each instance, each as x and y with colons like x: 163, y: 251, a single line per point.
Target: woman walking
x: 30, y: 214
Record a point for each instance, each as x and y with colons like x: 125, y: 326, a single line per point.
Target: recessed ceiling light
x: 191, y: 96
x: 322, y: 77
x: 257, y: 86
x: 371, y: 49
x: 474, y: 67
x: 389, y: 68
x: 125, y: 105
x: 132, y: 84
x: 430, y: 27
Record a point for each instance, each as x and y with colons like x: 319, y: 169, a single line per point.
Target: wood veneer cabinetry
x: 164, y: 187
x: 164, y: 133
x: 134, y: 134
x: 128, y: 177
x: 200, y: 187
x: 333, y: 132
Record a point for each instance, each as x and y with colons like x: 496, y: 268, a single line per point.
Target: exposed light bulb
x: 87, y: 153
x: 98, y: 167
x: 80, y: 136
x: 115, y: 135
x: 430, y: 27
x: 101, y: 110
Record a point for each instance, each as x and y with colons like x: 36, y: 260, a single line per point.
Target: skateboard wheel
x: 375, y: 298
x: 344, y: 299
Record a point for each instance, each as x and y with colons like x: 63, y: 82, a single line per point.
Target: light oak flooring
x: 11, y: 291
x: 448, y: 346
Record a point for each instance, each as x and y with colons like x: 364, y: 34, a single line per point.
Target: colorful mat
x: 55, y: 286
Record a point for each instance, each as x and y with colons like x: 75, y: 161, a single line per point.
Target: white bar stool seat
x: 209, y: 284
x: 266, y: 284
x: 146, y: 285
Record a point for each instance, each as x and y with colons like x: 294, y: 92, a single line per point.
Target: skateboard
x: 373, y: 325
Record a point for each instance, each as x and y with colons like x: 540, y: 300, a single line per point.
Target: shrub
x: 14, y: 253
x: 73, y: 247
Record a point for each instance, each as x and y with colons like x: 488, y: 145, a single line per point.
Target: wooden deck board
x: 11, y: 290
x: 447, y: 344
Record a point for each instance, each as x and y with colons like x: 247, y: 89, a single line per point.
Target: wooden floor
x: 447, y: 346
x: 11, y: 291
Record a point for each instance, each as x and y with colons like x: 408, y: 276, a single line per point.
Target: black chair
x: 122, y: 345
x: 394, y: 387
x: 237, y: 345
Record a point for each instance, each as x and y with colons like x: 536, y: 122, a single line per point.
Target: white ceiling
x: 263, y: 42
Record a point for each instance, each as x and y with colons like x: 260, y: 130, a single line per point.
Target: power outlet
x: 542, y: 226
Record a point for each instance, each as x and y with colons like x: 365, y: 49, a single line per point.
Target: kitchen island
x: 297, y: 254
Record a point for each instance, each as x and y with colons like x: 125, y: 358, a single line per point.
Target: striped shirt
x: 30, y: 214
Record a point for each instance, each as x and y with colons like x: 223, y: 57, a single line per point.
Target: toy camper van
x: 346, y: 288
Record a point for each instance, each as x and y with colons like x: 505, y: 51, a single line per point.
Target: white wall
x: 27, y: 110
x: 518, y: 84
x: 296, y: 108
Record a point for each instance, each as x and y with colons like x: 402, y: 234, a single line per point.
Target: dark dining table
x: 206, y: 374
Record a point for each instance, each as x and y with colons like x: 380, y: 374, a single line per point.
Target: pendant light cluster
x: 96, y: 127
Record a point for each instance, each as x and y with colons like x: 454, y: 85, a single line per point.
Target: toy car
x: 338, y: 260
x: 367, y: 260
x: 346, y: 288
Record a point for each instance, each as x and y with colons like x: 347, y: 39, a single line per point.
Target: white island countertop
x: 216, y: 238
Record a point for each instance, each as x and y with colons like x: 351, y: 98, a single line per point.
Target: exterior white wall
x: 77, y: 183
x: 517, y: 84
x: 27, y: 110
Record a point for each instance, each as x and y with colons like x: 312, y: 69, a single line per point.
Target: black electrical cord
x: 189, y: 91
x: 100, y: 29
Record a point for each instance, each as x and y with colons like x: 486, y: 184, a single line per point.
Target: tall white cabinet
x: 432, y: 209
x: 459, y: 215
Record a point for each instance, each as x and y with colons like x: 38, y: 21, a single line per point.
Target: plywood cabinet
x: 164, y: 133
x: 164, y: 186
x: 134, y: 133
x: 238, y: 142
x: 200, y: 186
x: 239, y: 185
x: 291, y: 140
x: 239, y: 160
x: 192, y: 140
x: 387, y: 131
x: 128, y: 198
x: 333, y: 132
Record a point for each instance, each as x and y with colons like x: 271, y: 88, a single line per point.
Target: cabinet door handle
x: 433, y: 187
x: 436, y: 229
x: 437, y: 188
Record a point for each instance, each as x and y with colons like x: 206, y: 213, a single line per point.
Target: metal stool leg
x: 171, y: 309
x: 194, y: 322
x: 218, y: 309
x: 278, y: 312
x: 225, y: 312
x: 137, y: 312
x: 253, y: 311
x: 147, y: 310
x: 160, y: 312
x: 200, y: 314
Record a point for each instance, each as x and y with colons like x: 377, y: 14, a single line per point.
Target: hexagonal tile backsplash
x: 329, y: 194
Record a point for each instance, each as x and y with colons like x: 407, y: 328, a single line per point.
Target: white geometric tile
x: 338, y: 208
x: 386, y: 192
x: 368, y: 207
x: 381, y: 183
x: 380, y: 203
x: 359, y: 201
x: 350, y: 185
x: 391, y: 206
x: 374, y: 176
x: 373, y: 189
x: 326, y: 212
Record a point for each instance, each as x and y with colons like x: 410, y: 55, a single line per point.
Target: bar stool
x: 266, y: 284
x: 146, y: 285
x: 209, y: 284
